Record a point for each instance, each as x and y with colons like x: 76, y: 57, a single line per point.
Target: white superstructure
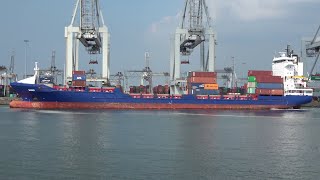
x: 290, y: 69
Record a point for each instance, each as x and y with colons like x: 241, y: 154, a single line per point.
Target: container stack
x: 202, y: 83
x: 78, y: 78
x: 264, y: 83
x: 160, y: 89
x: 139, y: 89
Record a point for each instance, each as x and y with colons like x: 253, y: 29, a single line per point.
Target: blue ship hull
x: 43, y: 97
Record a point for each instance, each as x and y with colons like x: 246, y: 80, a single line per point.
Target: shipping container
x: 79, y: 83
x: 277, y: 92
x: 251, y: 79
x: 141, y: 89
x: 61, y: 88
x: 211, y: 86
x: 315, y: 78
x: 166, y: 89
x: 78, y: 73
x: 195, y: 86
x: 251, y: 85
x: 155, y: 90
x: 77, y: 77
x: 202, y: 74
x: 251, y: 90
x: 269, y: 79
x: 270, y: 92
x: 204, y: 80
x: 160, y: 89
x: 131, y: 89
x: 259, y: 73
x: 270, y: 85
x: 205, y: 92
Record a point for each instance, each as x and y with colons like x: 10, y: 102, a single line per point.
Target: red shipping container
x: 269, y: 79
x: 166, y: 91
x: 205, y: 80
x: 79, y: 72
x: 131, y: 90
x: 263, y: 91
x: 277, y: 92
x: 259, y: 73
x: 160, y: 89
x: 274, y: 92
x: 202, y: 74
x: 155, y: 90
x: 79, y: 83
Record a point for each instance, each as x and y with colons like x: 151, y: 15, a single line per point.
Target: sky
x: 251, y: 31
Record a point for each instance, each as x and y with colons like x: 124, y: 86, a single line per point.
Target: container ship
x: 284, y: 87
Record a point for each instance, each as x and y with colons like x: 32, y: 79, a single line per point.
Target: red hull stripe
x: 75, y: 105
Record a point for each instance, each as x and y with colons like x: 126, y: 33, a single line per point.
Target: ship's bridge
x: 284, y: 58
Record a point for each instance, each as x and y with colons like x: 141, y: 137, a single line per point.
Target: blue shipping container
x: 270, y: 86
x: 77, y: 77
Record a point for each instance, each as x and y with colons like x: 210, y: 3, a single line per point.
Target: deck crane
x: 91, y: 32
x: 195, y: 30
x: 311, y: 48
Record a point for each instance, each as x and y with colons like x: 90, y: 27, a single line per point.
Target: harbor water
x: 45, y: 144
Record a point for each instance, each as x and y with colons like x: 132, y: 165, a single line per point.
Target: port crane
x: 311, y: 48
x: 145, y: 75
x: 93, y: 34
x: 195, y: 30
x: 8, y: 76
x: 53, y: 68
x: 52, y: 72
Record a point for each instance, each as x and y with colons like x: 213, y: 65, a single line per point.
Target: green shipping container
x: 251, y: 90
x: 251, y: 79
x: 315, y: 78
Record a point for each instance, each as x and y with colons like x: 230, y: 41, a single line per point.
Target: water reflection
x: 161, y: 144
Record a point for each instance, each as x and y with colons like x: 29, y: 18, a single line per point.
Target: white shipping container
x: 252, y: 84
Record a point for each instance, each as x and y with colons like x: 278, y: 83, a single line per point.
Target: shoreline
x: 5, y: 100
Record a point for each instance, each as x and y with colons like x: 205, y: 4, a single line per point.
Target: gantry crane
x: 53, y: 69
x: 195, y: 30
x: 145, y: 75
x: 91, y: 32
x: 52, y: 72
x: 311, y: 48
x: 8, y: 76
